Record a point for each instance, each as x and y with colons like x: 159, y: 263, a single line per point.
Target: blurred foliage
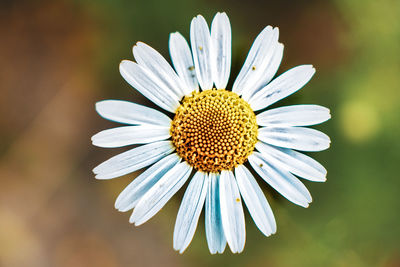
x: 61, y: 57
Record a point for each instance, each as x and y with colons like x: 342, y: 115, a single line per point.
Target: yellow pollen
x: 214, y: 130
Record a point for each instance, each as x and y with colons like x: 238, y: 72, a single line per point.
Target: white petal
x: 284, y: 85
x: 133, y: 160
x: 129, y: 197
x: 221, y: 37
x: 149, y: 58
x: 200, y: 40
x: 281, y: 180
x: 232, y: 212
x: 293, y: 161
x: 148, y: 85
x: 160, y: 193
x: 256, y: 65
x: 214, y: 231
x: 268, y: 74
x: 182, y: 60
x: 298, y: 138
x: 255, y: 201
x: 131, y: 113
x: 129, y: 135
x: 296, y: 115
x: 189, y: 211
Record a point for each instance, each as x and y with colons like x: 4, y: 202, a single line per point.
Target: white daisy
x: 213, y: 133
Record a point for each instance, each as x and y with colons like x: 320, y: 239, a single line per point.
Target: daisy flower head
x: 208, y: 133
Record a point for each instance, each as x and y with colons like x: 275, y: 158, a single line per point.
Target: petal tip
x: 99, y: 177
x: 132, y: 219
x: 124, y: 64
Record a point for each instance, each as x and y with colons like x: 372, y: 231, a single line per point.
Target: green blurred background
x: 59, y: 57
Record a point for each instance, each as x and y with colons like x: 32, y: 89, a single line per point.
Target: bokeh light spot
x: 359, y: 121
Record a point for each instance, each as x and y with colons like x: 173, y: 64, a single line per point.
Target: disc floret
x: 214, y: 130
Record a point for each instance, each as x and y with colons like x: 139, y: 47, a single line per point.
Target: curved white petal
x: 299, y: 138
x: 149, y: 85
x: 221, y: 38
x: 293, y: 161
x: 268, y: 74
x: 182, y: 60
x: 129, y: 197
x: 131, y: 113
x: 149, y: 58
x: 133, y: 160
x: 160, y: 193
x: 282, y: 86
x: 189, y: 211
x: 200, y: 40
x: 256, y: 64
x: 214, y: 231
x: 255, y: 201
x: 281, y: 180
x: 129, y: 135
x: 296, y: 115
x: 232, y: 212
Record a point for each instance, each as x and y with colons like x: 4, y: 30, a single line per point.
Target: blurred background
x: 59, y: 57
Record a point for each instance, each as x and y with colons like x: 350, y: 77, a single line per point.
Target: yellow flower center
x: 214, y: 130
